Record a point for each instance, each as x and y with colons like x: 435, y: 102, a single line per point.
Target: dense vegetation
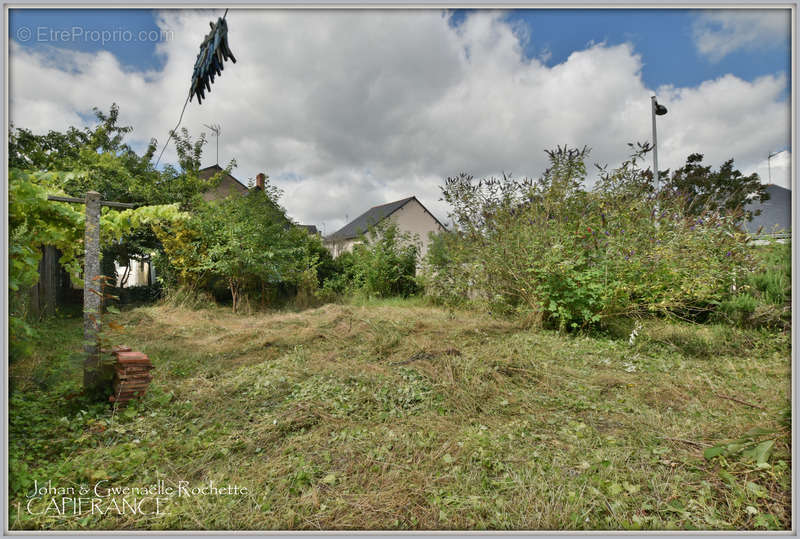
x: 382, y: 264
x: 428, y: 393
x: 35, y: 222
x: 549, y: 251
x: 241, y: 246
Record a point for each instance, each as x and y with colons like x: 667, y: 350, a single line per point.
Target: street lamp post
x: 656, y: 110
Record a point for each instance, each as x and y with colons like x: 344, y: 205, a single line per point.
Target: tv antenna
x: 217, y: 129
x: 769, y: 157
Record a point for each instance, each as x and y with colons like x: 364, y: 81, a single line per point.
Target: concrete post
x: 92, y: 286
x: 92, y: 290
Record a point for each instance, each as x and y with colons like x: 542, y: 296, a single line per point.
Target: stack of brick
x: 131, y: 376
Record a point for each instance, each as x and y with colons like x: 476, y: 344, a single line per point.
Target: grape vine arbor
x: 92, y: 297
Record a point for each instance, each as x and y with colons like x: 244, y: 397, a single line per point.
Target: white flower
x: 634, y: 333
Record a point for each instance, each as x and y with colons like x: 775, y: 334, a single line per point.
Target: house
x: 228, y: 185
x: 141, y: 272
x: 311, y: 229
x: 776, y: 213
x: 408, y: 214
x: 136, y: 273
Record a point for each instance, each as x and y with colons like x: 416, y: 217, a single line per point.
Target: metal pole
x: 216, y: 129
x: 655, y: 141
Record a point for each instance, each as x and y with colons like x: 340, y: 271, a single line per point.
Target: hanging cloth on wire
x: 213, y: 52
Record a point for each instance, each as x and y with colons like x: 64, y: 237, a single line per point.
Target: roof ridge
x: 393, y: 202
x: 370, y: 218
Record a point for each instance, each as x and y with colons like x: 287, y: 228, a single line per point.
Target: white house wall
x: 340, y: 246
x: 139, y: 273
x: 412, y: 219
x: 415, y: 220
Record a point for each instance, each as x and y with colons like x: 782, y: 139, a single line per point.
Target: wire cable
x: 172, y: 133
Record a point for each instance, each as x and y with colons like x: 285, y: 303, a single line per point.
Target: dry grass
x: 412, y: 417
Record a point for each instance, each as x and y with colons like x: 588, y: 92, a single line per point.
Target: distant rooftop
x: 209, y: 171
x: 311, y: 229
x: 369, y: 218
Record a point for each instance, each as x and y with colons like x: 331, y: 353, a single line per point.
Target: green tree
x: 724, y: 189
x: 109, y: 165
x: 246, y: 242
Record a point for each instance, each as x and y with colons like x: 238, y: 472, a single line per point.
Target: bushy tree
x: 383, y: 263
x: 724, y: 189
x: 247, y: 242
x: 107, y: 164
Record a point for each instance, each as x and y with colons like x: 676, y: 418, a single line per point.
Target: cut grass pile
x: 402, y: 416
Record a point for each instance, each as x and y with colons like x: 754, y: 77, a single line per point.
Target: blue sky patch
x: 131, y: 35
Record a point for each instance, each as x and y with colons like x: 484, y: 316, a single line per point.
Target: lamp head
x: 661, y: 110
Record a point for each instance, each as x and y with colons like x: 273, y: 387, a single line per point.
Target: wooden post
x: 92, y: 300
x: 48, y: 280
x: 42, y: 297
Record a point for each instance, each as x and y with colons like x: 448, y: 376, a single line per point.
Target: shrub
x: 764, y: 298
x: 383, y: 264
x: 243, y: 247
x: 738, y: 309
x: 449, y: 274
x: 548, y: 249
x: 773, y: 280
x: 339, y: 280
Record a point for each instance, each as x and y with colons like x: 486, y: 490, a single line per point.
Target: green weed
x: 398, y: 415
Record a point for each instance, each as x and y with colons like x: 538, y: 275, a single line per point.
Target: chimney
x: 260, y: 178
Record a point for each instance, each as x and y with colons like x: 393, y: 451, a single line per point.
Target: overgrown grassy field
x: 399, y: 415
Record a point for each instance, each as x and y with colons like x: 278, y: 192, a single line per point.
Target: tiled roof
x: 207, y: 172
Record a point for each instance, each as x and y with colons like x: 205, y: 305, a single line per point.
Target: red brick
x: 132, y: 357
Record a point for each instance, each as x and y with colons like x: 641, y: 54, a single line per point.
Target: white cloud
x: 726, y: 118
x: 348, y: 109
x: 721, y: 32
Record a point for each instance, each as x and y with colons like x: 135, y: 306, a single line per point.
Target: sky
x: 346, y: 109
